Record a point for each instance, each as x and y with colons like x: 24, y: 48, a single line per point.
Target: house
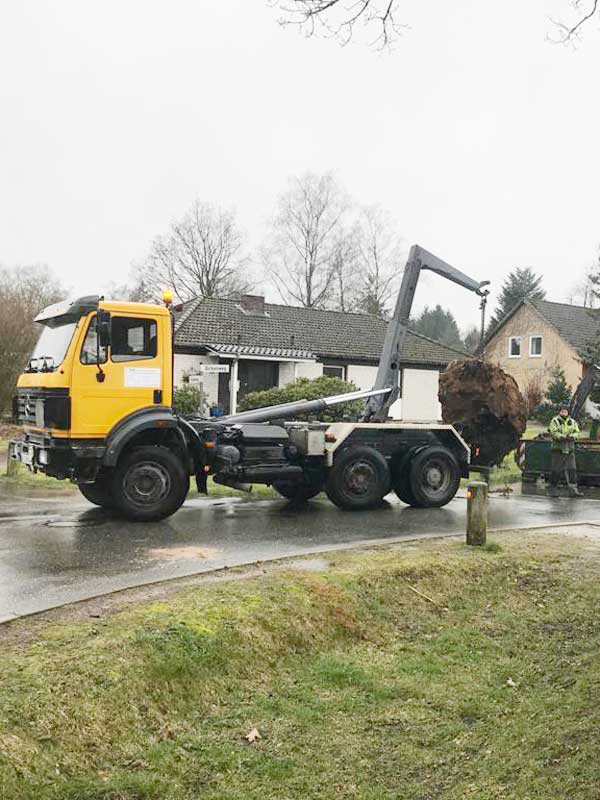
x: 537, y: 336
x: 235, y: 347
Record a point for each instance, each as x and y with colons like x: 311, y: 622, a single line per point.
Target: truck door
x: 127, y: 376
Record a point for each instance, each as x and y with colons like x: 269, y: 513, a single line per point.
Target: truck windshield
x: 51, y: 347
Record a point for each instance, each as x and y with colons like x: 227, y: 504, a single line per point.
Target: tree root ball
x: 484, y: 403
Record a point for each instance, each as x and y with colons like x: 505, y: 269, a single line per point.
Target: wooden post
x: 12, y: 467
x: 477, y: 512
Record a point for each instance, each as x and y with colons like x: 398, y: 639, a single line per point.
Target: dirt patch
x: 183, y: 553
x: 485, y: 404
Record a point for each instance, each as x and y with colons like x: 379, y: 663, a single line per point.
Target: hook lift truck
x: 96, y: 406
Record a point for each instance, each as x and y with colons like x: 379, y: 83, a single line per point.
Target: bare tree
x: 340, y: 19
x: 303, y: 246
x: 583, y: 12
x: 201, y: 255
x: 138, y: 290
x: 378, y: 20
x: 24, y: 292
x: 379, y: 260
x: 582, y: 293
x: 590, y: 286
x: 344, y: 295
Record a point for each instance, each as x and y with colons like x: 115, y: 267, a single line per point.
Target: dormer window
x: 514, y: 347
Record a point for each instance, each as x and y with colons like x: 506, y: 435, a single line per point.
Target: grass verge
x: 429, y: 671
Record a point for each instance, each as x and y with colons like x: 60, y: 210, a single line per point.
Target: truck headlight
x: 43, y: 457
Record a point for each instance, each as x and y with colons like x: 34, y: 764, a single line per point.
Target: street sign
x: 213, y: 369
x: 195, y: 379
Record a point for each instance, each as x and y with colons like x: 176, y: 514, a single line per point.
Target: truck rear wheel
x: 359, y: 479
x: 149, y: 484
x: 434, y: 477
x: 99, y: 492
x: 402, y: 487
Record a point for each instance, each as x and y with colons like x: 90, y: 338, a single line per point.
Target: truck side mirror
x: 103, y: 327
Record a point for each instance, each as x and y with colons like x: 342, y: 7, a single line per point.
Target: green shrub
x: 558, y: 393
x: 188, y: 399
x: 306, y: 389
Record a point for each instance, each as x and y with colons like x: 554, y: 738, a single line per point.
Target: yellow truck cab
x: 95, y: 396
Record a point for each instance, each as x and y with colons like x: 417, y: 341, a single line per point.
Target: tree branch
x: 567, y: 33
x: 338, y: 19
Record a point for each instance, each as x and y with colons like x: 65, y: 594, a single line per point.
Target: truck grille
x: 42, y: 407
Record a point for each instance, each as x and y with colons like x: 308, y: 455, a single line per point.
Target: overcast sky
x: 479, y: 136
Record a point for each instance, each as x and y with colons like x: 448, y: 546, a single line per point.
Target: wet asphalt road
x: 56, y: 551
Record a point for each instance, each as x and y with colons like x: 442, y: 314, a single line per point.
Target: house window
x: 535, y: 346
x: 254, y: 376
x: 334, y: 371
x: 514, y: 347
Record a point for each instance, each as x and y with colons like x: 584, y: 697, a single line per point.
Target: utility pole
x: 482, y: 306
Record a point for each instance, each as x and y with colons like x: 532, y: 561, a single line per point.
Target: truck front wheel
x: 99, y: 492
x: 149, y: 484
x: 434, y: 477
x: 359, y: 479
x: 299, y: 491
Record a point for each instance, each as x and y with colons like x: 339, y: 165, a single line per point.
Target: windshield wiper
x: 45, y: 366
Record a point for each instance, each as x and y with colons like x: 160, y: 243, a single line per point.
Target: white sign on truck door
x: 142, y: 377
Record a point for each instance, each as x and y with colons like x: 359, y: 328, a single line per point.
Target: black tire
x: 149, y: 484
x: 401, y: 484
x: 99, y: 492
x: 359, y: 479
x: 529, y: 477
x: 297, y: 491
x: 434, y: 477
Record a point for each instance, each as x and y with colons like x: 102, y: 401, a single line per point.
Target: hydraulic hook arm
x: 389, y: 363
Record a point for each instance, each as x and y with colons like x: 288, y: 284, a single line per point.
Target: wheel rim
x: 435, y: 477
x: 146, y: 483
x: 359, y: 478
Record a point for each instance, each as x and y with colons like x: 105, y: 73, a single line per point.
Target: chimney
x: 253, y: 304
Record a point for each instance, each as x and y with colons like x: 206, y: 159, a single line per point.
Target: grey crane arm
x: 389, y: 362
x: 435, y: 264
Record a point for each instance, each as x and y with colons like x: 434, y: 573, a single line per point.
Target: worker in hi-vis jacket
x: 564, y: 431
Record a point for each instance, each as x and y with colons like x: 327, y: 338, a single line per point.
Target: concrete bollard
x: 477, y: 512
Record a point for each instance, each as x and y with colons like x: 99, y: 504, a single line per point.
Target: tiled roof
x: 327, y: 334
x: 576, y: 325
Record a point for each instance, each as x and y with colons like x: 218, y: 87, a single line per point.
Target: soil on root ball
x: 484, y: 403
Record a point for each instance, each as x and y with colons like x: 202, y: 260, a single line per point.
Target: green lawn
x: 430, y: 671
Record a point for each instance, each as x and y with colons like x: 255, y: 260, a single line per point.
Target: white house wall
x: 190, y: 365
x: 287, y: 372
x: 309, y: 369
x: 361, y: 376
x: 420, y: 386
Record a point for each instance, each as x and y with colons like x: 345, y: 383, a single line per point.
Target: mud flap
x: 201, y: 482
